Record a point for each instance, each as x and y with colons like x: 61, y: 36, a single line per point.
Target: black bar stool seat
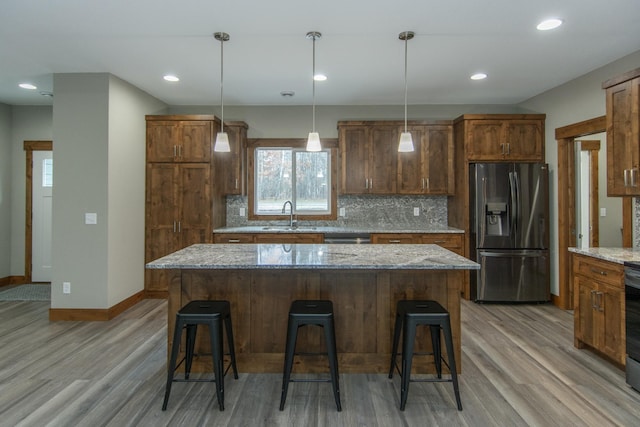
x: 311, y: 312
x: 213, y: 314
x: 409, y: 315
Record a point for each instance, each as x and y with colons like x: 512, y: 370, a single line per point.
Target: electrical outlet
x: 342, y: 212
x: 66, y: 287
x: 242, y: 212
x: 416, y: 211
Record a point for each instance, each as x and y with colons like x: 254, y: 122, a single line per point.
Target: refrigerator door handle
x: 482, y: 215
x: 513, y: 206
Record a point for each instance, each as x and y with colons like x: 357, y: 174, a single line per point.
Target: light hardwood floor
x: 519, y: 368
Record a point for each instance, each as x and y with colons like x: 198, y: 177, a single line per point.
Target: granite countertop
x: 314, y: 256
x: 345, y: 230
x: 617, y: 255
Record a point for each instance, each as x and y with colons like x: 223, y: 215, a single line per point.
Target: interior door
x: 42, y: 198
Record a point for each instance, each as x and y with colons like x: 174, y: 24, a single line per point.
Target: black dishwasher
x: 347, y: 238
x: 632, y: 322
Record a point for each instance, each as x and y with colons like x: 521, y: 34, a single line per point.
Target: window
x: 282, y: 173
x: 47, y: 173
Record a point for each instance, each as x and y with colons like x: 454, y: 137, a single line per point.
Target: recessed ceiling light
x: 478, y: 76
x: 319, y: 77
x: 171, y: 78
x: 549, y: 24
x: 27, y: 86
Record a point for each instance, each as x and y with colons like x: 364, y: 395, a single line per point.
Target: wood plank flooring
x: 519, y: 369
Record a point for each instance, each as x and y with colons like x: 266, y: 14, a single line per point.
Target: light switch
x: 90, y: 218
x: 603, y: 211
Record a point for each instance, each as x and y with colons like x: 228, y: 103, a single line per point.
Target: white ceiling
x: 140, y: 41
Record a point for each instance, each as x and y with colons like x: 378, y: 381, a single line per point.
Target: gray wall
x: 99, y: 134
x: 5, y: 190
x: 578, y: 100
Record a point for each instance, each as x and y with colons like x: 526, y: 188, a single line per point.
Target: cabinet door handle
x: 633, y: 176
x: 236, y: 183
x: 175, y: 152
x: 600, y: 272
x: 423, y: 183
x: 625, y: 174
x: 366, y: 183
x: 174, y: 226
x: 180, y: 151
x: 593, y: 300
x: 394, y: 241
x: 502, y: 147
x: 234, y: 240
x: 179, y: 226
x: 508, y: 149
x: 600, y: 305
x: 427, y: 183
x: 438, y: 242
x: 371, y: 183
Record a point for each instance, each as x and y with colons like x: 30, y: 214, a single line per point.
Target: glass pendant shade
x: 313, y: 143
x: 222, y: 143
x: 406, y: 143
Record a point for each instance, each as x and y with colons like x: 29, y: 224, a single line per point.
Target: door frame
x: 565, y: 138
x: 593, y: 147
x: 29, y: 148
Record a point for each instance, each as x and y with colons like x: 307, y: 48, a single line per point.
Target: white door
x: 41, y: 220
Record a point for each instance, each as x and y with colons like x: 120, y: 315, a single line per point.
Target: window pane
x: 47, y: 173
x: 312, y: 181
x: 273, y: 179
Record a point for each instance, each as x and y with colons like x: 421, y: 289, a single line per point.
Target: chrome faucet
x: 284, y: 208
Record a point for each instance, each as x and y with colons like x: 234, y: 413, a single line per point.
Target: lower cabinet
x: 598, y: 288
x: 268, y: 238
x: 451, y: 241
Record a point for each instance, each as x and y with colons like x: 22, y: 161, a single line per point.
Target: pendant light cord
x: 222, y: 84
x: 313, y: 92
x: 406, y: 39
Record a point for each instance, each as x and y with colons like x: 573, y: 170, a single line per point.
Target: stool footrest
x: 310, y: 380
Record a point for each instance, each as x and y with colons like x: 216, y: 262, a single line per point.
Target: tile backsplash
x: 364, y: 211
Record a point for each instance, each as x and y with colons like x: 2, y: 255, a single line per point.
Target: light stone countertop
x: 617, y: 255
x: 314, y: 256
x: 346, y: 230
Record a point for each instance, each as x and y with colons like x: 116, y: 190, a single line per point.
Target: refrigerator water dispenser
x: 497, y: 221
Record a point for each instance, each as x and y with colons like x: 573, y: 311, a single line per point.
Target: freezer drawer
x: 513, y: 276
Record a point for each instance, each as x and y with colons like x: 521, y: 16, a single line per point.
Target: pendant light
x: 313, y: 142
x: 222, y: 139
x: 406, y: 142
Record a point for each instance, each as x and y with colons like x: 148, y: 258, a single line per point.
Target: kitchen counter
x: 314, y: 256
x: 314, y: 229
x: 617, y: 255
x: 364, y: 282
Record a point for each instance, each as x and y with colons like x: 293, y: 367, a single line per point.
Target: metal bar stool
x: 409, y: 315
x: 311, y: 312
x: 213, y: 314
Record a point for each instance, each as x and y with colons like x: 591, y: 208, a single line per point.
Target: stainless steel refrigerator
x: 509, y: 205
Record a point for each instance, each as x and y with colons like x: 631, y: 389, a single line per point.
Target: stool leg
x: 330, y: 339
x: 408, y: 338
x: 232, y: 351
x: 290, y: 348
x: 446, y: 326
x: 175, y: 347
x: 435, y: 345
x: 215, y: 329
x: 190, y: 344
x: 396, y: 339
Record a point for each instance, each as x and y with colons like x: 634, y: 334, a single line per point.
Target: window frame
x: 295, y: 144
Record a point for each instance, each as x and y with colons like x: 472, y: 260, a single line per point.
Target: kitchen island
x: 363, y: 281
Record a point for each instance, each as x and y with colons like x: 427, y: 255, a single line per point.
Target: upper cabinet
x: 371, y: 164
x: 231, y: 167
x: 504, y: 138
x: 623, y: 134
x: 367, y: 157
x: 429, y: 168
x: 179, y: 138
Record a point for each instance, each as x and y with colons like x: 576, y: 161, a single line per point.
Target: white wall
x: 5, y: 191
x: 578, y: 100
x: 28, y: 123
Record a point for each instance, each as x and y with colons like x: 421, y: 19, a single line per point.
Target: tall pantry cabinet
x: 181, y: 205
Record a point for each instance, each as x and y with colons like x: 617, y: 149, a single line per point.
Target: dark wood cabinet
x: 599, y: 306
x: 505, y: 140
x: 623, y: 134
x: 231, y: 172
x: 179, y: 189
